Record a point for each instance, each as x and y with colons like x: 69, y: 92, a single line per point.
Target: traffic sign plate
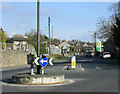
x: 43, y: 62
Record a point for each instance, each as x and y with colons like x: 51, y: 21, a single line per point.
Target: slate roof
x: 20, y: 39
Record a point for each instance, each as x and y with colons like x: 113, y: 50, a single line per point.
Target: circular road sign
x: 43, y: 62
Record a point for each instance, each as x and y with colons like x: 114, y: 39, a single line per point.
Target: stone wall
x: 12, y: 58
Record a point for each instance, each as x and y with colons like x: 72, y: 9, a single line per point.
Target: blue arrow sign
x: 43, y: 62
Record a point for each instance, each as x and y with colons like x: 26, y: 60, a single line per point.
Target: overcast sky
x: 70, y: 20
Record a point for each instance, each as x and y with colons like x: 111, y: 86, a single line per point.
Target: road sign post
x: 43, y: 63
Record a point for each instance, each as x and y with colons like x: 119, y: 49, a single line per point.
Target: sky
x: 70, y: 20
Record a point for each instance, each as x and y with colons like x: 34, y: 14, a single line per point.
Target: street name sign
x: 43, y: 62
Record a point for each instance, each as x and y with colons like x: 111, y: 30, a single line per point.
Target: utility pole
x: 49, y: 34
x: 95, y: 40
x: 52, y: 35
x: 38, y: 38
x: 119, y: 10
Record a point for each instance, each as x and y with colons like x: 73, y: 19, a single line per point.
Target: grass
x: 58, y: 57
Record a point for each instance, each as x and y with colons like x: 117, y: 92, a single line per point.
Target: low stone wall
x: 12, y: 58
x: 38, y: 79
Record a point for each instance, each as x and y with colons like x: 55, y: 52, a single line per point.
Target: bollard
x: 73, y: 62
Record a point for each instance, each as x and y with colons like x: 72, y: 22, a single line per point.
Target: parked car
x: 93, y: 53
x: 81, y: 53
x: 88, y: 54
x: 106, y: 55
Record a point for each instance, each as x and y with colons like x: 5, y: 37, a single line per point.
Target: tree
x: 3, y: 39
x: 111, y: 28
x: 33, y: 40
x: 9, y: 40
x: 104, y: 26
x: 55, y: 41
x: 116, y: 32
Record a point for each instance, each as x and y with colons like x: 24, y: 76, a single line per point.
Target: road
x: 95, y: 75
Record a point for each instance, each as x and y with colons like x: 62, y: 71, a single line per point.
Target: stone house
x: 65, y: 48
x: 20, y: 43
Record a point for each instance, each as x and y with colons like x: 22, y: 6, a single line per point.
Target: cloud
x: 23, y: 25
x: 12, y: 34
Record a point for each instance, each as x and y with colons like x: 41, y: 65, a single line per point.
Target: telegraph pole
x: 119, y: 10
x: 95, y: 40
x: 49, y: 34
x: 38, y: 38
x: 52, y: 35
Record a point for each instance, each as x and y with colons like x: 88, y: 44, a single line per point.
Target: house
x: 65, y: 48
x: 20, y: 44
x: 89, y: 48
x: 55, y: 49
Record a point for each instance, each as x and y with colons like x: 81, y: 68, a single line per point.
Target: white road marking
x: 67, y: 81
x: 98, y: 68
x: 82, y: 68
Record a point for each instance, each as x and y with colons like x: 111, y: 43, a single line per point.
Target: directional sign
x: 50, y: 61
x: 43, y: 62
x: 36, y: 61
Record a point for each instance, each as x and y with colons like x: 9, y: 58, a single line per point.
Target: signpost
x: 98, y: 46
x: 43, y: 63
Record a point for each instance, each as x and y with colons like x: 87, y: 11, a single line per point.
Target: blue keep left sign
x: 43, y: 62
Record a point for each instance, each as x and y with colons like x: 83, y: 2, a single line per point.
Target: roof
x: 20, y: 39
x: 63, y: 44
